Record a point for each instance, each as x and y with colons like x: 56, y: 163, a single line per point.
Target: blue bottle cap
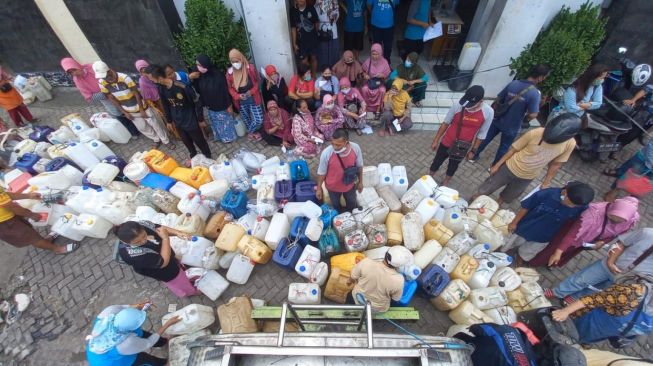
x: 227, y: 163
x: 486, y: 246
x: 254, y: 181
x: 99, y: 189
x: 454, y: 216
x: 94, y: 144
x: 194, y: 238
x: 282, y: 163
x: 401, y: 181
x: 314, y: 292
x: 416, y: 272
x: 302, y: 268
x: 73, y: 144
x: 387, y: 179
x: 490, y: 264
x: 509, y: 258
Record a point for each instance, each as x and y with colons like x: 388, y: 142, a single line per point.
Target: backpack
x: 499, y: 345
x: 549, y: 353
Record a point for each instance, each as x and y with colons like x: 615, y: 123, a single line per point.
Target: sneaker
x: 548, y: 293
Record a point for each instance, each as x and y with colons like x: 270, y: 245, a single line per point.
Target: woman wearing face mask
x: 414, y: 77
x: 306, y: 136
x: 586, y: 93
x: 325, y: 84
x: 334, y: 161
x: 348, y: 67
x: 396, y: 105
x: 150, y: 95
x: 275, y: 87
x: 376, y: 71
x: 467, y: 121
x: 302, y: 87
x: 353, y: 106
x: 329, y: 117
x: 245, y: 92
x: 599, y: 224
x: 277, y: 126
x: 211, y: 85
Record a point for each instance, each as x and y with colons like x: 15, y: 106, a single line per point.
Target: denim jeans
x: 596, y: 275
x: 507, y: 138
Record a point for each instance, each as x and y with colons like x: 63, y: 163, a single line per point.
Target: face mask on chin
x: 341, y: 150
x: 408, y: 64
x: 329, y: 106
x: 474, y: 109
x: 237, y: 65
x: 345, y: 91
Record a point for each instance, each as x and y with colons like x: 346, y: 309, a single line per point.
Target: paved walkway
x: 68, y: 291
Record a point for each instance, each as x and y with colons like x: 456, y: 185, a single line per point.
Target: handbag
x: 325, y: 35
x: 350, y: 174
x: 639, y: 185
x: 500, y: 108
x: 373, y: 83
x: 459, y: 149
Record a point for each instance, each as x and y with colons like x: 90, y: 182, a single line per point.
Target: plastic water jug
x: 344, y: 224
x: 346, y: 262
x: 92, y: 134
x: 501, y: 220
x: 201, y: 160
x: 481, y: 278
x: 370, y: 176
x: 57, y: 151
x: 229, y: 237
x: 260, y: 228
x: 502, y: 315
x: 270, y: 162
x: 279, y: 229
x: 435, y: 230
x: 223, y: 171
x: 314, y: 229
x: 73, y: 119
x: 103, y: 174
x: 376, y: 254
x: 212, y: 284
x: 393, y: 227
x: 447, y: 259
x: 255, y: 249
x: 145, y: 213
x: 308, y: 209
x: 425, y: 255
x: 338, y: 286
x: 240, y: 269
x: 307, y: 261
x: 427, y: 209
x: 260, y: 180
x: 486, y: 233
x: 399, y: 180
x: 426, y: 186
x: 467, y: 314
x: 506, y: 278
x: 457, y: 328
x: 465, y: 268
x: 193, y: 204
x: 410, y: 200
x: 457, y: 220
x: 283, y: 171
x: 162, y: 164
x: 488, y: 297
x: 247, y: 221
x: 304, y: 293
x: 194, y: 317
x: 62, y: 135
x: 136, y: 170
x: 93, y: 226
x: 384, y: 171
x: 24, y: 147
x: 461, y: 243
x: 356, y: 241
x: 201, y: 253
x: 499, y: 259
x: 116, y: 211
x: 41, y: 149
x: 446, y: 196
x: 410, y: 271
x: 527, y: 274
x: 190, y: 224
x: 40, y: 165
x: 534, y: 295
x: 112, y: 128
x: 226, y: 259
x: 45, y: 211
x: 483, y: 207
x: 66, y: 227
x: 56, y: 180
x: 377, y: 235
x: 170, y: 220
x: 367, y: 195
x: 390, y: 198
x: 412, y: 230
x: 165, y: 201
x: 236, y: 316
x: 81, y: 156
x: 181, y: 189
x: 479, y: 251
x: 455, y: 293
x: 320, y: 274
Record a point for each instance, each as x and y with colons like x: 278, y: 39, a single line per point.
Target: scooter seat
x: 620, y: 126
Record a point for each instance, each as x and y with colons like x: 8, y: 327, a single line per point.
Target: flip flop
x: 568, y: 300
x: 548, y: 293
x: 70, y: 247
x: 610, y: 172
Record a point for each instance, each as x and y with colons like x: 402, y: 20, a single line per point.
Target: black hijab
x: 212, y: 86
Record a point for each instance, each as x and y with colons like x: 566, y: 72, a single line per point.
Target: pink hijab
x: 592, y: 218
x: 146, y: 86
x: 86, y: 83
x: 377, y: 67
x: 353, y: 93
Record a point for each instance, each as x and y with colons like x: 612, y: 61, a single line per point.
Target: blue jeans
x: 596, y: 275
x: 637, y: 161
x: 507, y: 138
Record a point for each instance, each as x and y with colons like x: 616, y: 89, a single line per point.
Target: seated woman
x: 396, y: 109
x: 585, y: 93
x: 277, y: 126
x: 348, y: 67
x: 306, y: 136
x: 376, y: 71
x: 619, y: 313
x: 325, y: 84
x: 414, y: 77
x: 275, y: 87
x: 301, y: 87
x: 329, y: 117
x: 353, y: 106
x: 634, y: 177
x: 600, y: 223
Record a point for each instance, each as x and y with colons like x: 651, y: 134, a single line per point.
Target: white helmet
x: 398, y: 256
x: 641, y: 74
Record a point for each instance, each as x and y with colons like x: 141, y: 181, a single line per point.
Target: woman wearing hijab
x: 302, y: 87
x: 118, y: 339
x: 414, y: 77
x: 353, y: 106
x: 277, y: 126
x: 329, y: 117
x: 396, y: 109
x: 85, y: 81
x: 600, y: 223
x: 242, y: 80
x: 211, y: 85
x: 327, y: 83
x: 328, y: 47
x: 275, y: 87
x: 376, y: 69
x: 306, y: 136
x: 150, y: 94
x: 348, y: 67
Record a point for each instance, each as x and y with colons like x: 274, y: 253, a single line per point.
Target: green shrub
x: 211, y: 30
x: 567, y: 45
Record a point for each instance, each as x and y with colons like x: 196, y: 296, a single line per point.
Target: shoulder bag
x: 373, y: 83
x: 350, y: 174
x: 459, y: 149
x: 501, y: 107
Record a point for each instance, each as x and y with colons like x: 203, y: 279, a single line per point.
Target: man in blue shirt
x: 418, y: 19
x: 543, y: 214
x: 383, y: 23
x: 526, y: 101
x: 355, y: 19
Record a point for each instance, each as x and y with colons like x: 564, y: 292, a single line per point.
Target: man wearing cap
x: 463, y: 129
x: 379, y: 282
x: 275, y: 87
x: 121, y: 90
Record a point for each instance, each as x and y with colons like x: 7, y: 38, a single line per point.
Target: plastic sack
x: 201, y: 160
x: 251, y: 160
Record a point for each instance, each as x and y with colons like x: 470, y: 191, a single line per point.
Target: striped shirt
x: 121, y: 90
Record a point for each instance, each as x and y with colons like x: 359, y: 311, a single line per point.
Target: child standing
x: 12, y: 101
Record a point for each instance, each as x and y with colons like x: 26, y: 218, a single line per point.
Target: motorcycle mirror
x: 622, y: 50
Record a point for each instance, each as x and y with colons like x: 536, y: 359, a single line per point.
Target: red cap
x: 270, y: 69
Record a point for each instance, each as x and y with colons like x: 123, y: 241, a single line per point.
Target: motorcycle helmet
x: 561, y: 128
x: 641, y: 74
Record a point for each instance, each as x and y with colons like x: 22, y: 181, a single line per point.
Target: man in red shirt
x: 466, y: 122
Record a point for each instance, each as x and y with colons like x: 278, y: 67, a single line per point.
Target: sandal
x: 377, y: 115
x: 417, y: 104
x: 70, y: 247
x: 52, y: 236
x: 610, y: 172
x: 171, y: 146
x: 568, y: 300
x: 548, y: 293
x: 359, y: 132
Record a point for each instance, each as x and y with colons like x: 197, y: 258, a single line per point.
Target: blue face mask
x: 307, y: 78
x: 598, y: 82
x: 408, y: 64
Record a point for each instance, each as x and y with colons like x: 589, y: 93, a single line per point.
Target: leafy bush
x: 567, y: 45
x: 211, y: 30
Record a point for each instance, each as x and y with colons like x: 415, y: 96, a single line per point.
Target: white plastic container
x: 410, y: 271
x: 180, y: 189
x: 344, y: 223
x: 308, y: 209
x: 446, y: 196
x: 506, y: 278
x: 314, y: 229
x: 384, y: 171
x: 485, y: 232
x: 93, y: 133
x: 56, y: 180
x: 194, y: 317
x: 225, y: 171
x: 410, y: 200
x: 527, y: 275
x: 212, y: 284
x: 447, y: 259
x: 461, y: 243
x: 502, y: 315
x: 488, y: 297
x: 247, y: 221
x: 304, y: 293
x: 24, y: 147
x: 99, y: 149
x: 427, y: 209
x: 41, y: 149
x: 39, y: 167
x: 426, y: 186
x: 307, y: 261
x: 366, y: 196
x: 376, y: 254
x: 215, y: 190
x: 112, y: 128
x: 370, y: 176
x: 136, y: 170
x: 413, y: 231
x: 227, y: 258
x: 356, y: 241
x: 501, y: 220
x: 279, y: 228
x: 193, y: 204
x: 115, y: 212
x: 201, y: 252
x: 260, y: 228
x: 261, y: 180
x: 240, y: 269
x: 44, y: 210
x: 74, y: 175
x: 319, y: 274
x: 81, y: 156
x: 483, y: 207
x: 425, y: 255
x: 65, y: 226
x: 77, y: 125
x: 62, y: 135
x: 481, y: 278
x: 270, y: 162
x: 499, y: 259
x: 388, y: 195
x: 399, y: 180
x: 467, y: 314
x: 452, y: 295
x: 103, y: 174
x: 283, y: 171
x: 93, y: 226
x: 479, y: 251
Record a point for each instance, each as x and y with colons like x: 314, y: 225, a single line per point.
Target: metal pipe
x: 370, y: 339
x: 329, y: 307
x: 282, y: 324
x: 296, y: 317
x: 331, y: 322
